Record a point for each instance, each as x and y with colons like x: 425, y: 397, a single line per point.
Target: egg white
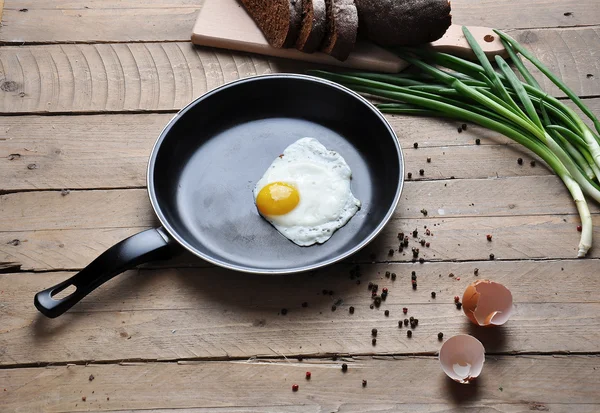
x: 322, y: 178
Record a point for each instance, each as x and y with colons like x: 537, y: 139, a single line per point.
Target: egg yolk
x: 277, y: 198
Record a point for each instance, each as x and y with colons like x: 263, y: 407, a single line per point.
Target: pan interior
x: 207, y: 162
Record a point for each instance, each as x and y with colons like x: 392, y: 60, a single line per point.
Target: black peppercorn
x: 477, y: 141
x: 374, y: 341
x: 377, y: 301
x: 413, y: 277
x: 333, y: 307
x: 400, y: 324
x: 406, y: 321
x: 409, y: 333
x: 421, y: 172
x: 459, y: 130
x: 440, y: 336
x: 421, y: 260
x: 391, y: 251
x: 401, y: 236
x: 344, y: 367
x: 416, y: 321
x: 428, y: 160
x: 416, y: 145
x: 371, y: 306
x: 374, y: 332
x: 370, y: 286
x: 532, y: 163
x: 464, y: 126
x: 520, y: 161
x: 476, y: 271
x: 283, y: 311
x: 458, y: 305
x: 409, y: 175
x: 387, y: 313
x: 364, y: 383
x: 393, y: 276
x: 433, y: 294
x: 387, y: 274
x: 492, y: 256
x: 351, y: 310
x: 414, y: 286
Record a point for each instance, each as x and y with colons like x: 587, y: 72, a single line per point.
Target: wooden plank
x: 172, y: 20
x: 213, y: 313
x: 90, y: 152
x: 517, y: 196
x: 513, y: 383
x: 166, y: 76
x: 48, y: 230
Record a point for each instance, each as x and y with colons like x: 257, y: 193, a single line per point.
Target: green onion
x: 468, y: 91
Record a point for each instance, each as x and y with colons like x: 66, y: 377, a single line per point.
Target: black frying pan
x: 208, y: 159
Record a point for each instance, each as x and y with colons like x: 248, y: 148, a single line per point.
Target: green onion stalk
x: 448, y: 86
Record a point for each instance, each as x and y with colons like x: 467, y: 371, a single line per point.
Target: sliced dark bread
x: 404, y: 23
x: 279, y: 20
x: 314, y: 25
x: 342, y: 27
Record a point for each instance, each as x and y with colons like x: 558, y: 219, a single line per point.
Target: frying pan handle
x: 150, y: 245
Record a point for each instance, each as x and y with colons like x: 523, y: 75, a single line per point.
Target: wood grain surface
x: 85, y: 89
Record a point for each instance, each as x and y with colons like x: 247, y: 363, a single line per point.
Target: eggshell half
x: 487, y: 303
x: 462, y: 358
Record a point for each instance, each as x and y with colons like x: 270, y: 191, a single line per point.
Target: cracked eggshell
x: 462, y: 358
x: 487, y: 303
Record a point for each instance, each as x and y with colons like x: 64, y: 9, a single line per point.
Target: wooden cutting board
x: 226, y: 24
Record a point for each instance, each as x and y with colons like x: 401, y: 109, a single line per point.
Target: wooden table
x: 85, y: 88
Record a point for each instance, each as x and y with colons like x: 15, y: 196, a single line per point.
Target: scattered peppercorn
x: 532, y: 163
x: 405, y: 310
x: 406, y: 321
x: 283, y: 311
x: 400, y: 324
x: 377, y: 301
x: 433, y: 294
x: 520, y: 161
x: 305, y: 304
x: 579, y: 228
x: 375, y: 287
x: 373, y: 294
x: 333, y: 307
x: 422, y: 242
x: 421, y: 172
x: 409, y: 333
x: 409, y: 175
x: 427, y: 232
x: 401, y: 236
x: 393, y: 276
x: 464, y: 126
x: 412, y: 325
x: 427, y: 244
x: 411, y: 319
x: 374, y: 341
x: 371, y: 306
x: 344, y: 367
x: 294, y: 387
x: 489, y: 237
x: 416, y: 321
x: 387, y: 274
x: 413, y: 277
x: 476, y: 271
x: 421, y: 260
x: 91, y: 378
x: 374, y: 332
x: 440, y: 336
x: 406, y: 242
x: 308, y: 375
x: 416, y: 145
x: 477, y: 141
x: 415, y: 233
x: 370, y: 286
x: 391, y: 251
x: 364, y: 383
x: 451, y: 275
x: 492, y: 256
x: 387, y: 313
x: 459, y: 130
x: 458, y: 306
x: 351, y: 310
x: 383, y: 296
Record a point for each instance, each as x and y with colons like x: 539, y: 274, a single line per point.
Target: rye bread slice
x: 279, y: 20
x: 342, y: 28
x: 314, y: 25
x: 404, y: 23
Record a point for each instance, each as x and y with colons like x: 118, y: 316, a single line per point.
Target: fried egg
x: 305, y: 193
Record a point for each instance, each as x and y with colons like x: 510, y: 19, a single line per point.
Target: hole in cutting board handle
x: 64, y: 293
